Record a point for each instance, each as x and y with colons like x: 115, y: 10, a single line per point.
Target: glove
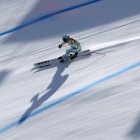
x: 60, y: 46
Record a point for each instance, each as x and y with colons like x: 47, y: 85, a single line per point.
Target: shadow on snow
x: 57, y: 81
x: 64, y: 18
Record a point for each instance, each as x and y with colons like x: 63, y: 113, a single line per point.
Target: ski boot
x: 73, y: 56
x: 61, y: 59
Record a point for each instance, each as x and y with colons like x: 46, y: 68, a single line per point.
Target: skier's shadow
x: 57, y: 81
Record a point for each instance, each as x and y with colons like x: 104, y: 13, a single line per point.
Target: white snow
x: 108, y: 111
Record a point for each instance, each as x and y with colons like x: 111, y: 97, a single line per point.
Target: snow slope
x: 93, y: 98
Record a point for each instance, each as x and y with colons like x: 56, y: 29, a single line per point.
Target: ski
x: 55, y: 61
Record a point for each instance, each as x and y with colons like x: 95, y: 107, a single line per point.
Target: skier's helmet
x: 66, y: 38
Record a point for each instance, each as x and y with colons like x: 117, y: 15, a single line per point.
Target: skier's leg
x: 69, y: 53
x: 75, y: 52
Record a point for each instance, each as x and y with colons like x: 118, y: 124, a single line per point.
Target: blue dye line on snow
x: 47, y: 16
x: 62, y: 99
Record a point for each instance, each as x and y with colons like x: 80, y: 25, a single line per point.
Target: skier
x: 73, y: 51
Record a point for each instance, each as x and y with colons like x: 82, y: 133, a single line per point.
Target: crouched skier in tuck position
x: 73, y: 51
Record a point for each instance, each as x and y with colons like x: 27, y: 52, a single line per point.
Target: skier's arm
x: 61, y: 45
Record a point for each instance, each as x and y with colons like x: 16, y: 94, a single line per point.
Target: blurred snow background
x: 108, y: 111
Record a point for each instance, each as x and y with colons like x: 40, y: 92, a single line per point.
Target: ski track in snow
x: 93, y: 98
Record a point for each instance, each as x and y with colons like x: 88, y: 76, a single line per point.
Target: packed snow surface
x: 95, y: 98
